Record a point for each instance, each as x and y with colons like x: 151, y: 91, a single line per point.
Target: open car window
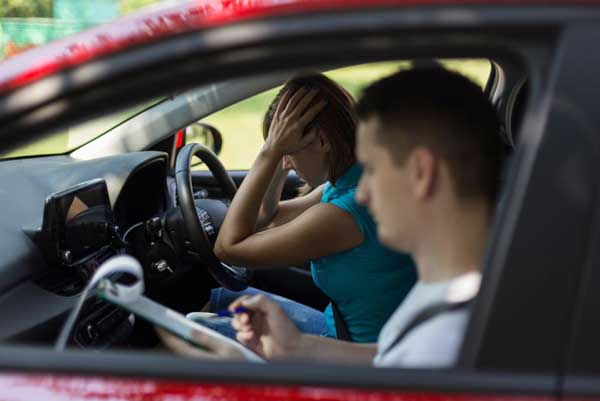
x: 240, y: 125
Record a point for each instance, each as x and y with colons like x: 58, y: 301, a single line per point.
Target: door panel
x: 523, y: 317
x: 20, y: 387
x: 157, y: 376
x: 577, y: 92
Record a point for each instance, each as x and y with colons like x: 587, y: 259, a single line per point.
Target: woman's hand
x: 266, y: 330
x: 214, y: 349
x: 286, y: 134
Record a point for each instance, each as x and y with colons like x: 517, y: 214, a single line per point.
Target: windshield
x: 66, y: 140
x: 27, y: 24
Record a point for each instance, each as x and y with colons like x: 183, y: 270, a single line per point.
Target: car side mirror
x: 206, y: 135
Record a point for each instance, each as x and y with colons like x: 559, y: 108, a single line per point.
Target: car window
x: 68, y: 139
x: 240, y: 125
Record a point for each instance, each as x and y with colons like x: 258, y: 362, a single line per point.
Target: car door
x: 529, y: 264
x: 578, y: 85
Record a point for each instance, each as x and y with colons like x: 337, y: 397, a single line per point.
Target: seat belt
x: 341, y: 330
x: 425, y: 315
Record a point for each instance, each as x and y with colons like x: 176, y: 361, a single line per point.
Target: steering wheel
x: 200, y: 216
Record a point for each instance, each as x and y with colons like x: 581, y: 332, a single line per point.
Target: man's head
x: 428, y: 140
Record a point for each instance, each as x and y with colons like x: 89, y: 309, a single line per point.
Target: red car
x: 127, y: 90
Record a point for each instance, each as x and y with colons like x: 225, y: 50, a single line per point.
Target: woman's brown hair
x: 337, y: 121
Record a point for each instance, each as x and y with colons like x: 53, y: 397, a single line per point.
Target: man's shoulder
x: 433, y: 343
x: 444, y: 325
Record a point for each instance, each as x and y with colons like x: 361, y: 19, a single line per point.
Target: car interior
x: 142, y: 203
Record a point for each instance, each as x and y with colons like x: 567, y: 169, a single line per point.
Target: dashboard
x: 35, y: 293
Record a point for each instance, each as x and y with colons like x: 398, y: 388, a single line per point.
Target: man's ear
x: 422, y: 172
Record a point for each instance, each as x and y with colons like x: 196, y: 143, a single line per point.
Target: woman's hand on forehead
x: 292, y: 117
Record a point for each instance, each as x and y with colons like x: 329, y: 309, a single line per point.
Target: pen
x: 228, y: 313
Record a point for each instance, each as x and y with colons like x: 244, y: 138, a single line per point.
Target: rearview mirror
x: 204, y: 134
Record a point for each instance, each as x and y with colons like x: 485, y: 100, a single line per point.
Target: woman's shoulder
x: 342, y: 198
x: 346, y: 201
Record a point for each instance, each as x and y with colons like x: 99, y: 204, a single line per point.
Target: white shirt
x: 436, y: 342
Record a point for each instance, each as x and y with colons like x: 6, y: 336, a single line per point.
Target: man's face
x: 384, y: 187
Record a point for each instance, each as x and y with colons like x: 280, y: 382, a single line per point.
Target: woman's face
x: 310, y: 163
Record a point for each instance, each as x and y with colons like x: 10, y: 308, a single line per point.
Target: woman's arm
x: 321, y: 230
x: 270, y: 204
x: 274, y: 212
x: 290, y: 209
x: 241, y: 218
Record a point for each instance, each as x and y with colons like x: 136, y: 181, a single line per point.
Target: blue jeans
x: 307, y: 319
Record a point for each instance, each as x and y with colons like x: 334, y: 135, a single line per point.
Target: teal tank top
x: 367, y: 282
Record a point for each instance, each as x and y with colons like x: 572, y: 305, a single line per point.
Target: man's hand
x: 214, y: 349
x: 266, y: 329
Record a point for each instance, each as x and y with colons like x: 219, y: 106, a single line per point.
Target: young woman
x: 310, y: 127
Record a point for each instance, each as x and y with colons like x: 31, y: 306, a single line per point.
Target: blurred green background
x: 27, y: 23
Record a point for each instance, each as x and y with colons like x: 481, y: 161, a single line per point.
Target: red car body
x: 60, y: 388
x: 191, y: 15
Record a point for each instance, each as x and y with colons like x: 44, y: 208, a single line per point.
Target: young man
x: 429, y: 144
